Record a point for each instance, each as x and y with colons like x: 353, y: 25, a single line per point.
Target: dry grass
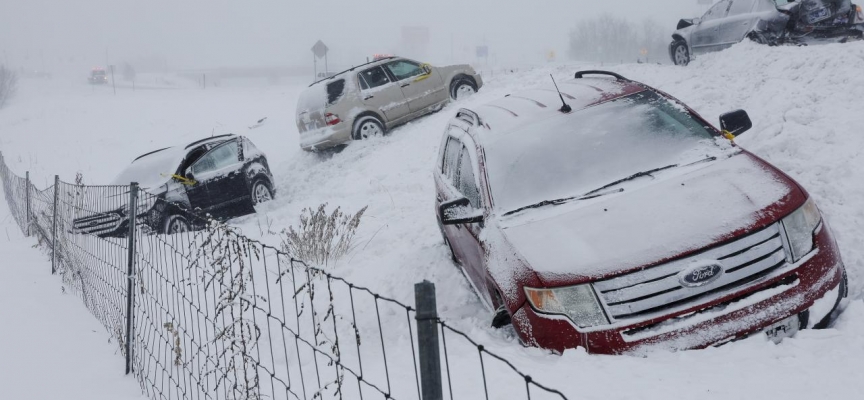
x: 321, y: 238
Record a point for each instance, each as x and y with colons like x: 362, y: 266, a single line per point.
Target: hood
x: 662, y: 219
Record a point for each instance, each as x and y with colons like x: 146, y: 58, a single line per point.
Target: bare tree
x: 8, y: 84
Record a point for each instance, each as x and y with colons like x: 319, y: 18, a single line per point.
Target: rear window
x: 335, y: 91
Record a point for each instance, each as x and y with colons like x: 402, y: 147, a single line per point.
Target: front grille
x: 658, y: 288
x: 97, y: 224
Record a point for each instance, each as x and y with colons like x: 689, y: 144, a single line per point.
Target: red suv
x: 621, y: 220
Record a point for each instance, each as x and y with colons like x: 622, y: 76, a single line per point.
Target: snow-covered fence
x: 208, y: 313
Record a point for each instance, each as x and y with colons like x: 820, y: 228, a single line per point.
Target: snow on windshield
x: 574, y: 154
x: 152, y: 170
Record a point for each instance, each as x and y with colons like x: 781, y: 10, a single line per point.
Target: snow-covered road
x: 805, y: 104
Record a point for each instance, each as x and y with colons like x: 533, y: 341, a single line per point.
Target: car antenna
x: 566, y: 107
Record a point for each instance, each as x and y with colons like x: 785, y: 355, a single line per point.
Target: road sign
x: 319, y: 49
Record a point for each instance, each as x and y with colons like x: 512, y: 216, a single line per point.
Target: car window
x: 451, y: 160
x: 403, y: 69
x: 467, y: 184
x: 373, y: 77
x: 335, y: 90
x: 220, y: 157
x: 718, y: 11
x: 741, y: 7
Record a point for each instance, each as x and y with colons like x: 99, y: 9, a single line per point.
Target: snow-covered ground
x: 805, y: 103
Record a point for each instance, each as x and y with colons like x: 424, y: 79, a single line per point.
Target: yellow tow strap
x: 182, y: 179
x: 728, y: 135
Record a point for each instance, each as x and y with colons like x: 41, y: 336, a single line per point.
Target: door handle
x: 368, y: 97
x: 405, y: 84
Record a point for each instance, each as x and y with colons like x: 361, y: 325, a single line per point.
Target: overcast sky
x: 51, y: 34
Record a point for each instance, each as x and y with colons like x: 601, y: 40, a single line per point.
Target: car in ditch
x: 767, y: 22
x: 219, y: 177
x: 372, y: 98
x: 623, y: 221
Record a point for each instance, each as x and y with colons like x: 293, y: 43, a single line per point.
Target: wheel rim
x: 464, y: 90
x: 369, y: 129
x: 178, y: 226
x: 680, y: 55
x: 261, y: 193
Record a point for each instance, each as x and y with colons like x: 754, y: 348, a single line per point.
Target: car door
x: 379, y: 92
x: 220, y: 171
x: 706, y: 35
x: 738, y: 23
x: 460, y: 178
x: 421, y: 85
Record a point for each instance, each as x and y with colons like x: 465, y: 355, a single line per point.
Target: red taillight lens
x: 331, y: 119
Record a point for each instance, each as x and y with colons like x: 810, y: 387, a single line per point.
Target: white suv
x: 371, y: 98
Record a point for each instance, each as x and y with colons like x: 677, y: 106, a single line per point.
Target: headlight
x: 800, y: 226
x: 579, y: 303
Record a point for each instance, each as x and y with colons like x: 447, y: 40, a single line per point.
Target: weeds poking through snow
x: 321, y: 238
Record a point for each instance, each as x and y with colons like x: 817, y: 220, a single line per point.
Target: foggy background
x: 61, y: 35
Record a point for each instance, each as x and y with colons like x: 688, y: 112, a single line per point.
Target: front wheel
x: 680, y: 53
x: 261, y: 192
x: 176, y: 224
x: 462, y: 90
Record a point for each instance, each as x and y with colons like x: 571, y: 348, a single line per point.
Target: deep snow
x: 805, y: 103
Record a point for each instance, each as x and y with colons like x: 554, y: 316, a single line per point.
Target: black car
x: 220, y: 177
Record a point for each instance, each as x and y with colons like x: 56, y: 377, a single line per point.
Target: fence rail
x: 212, y: 314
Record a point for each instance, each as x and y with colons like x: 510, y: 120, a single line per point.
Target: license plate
x: 783, y: 329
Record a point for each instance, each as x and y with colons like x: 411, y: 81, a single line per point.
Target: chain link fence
x: 212, y: 314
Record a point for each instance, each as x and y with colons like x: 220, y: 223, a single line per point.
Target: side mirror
x: 190, y: 178
x: 686, y: 22
x: 735, y: 122
x: 459, y: 211
x: 427, y: 69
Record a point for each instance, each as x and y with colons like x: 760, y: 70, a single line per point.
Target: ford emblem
x: 700, y: 275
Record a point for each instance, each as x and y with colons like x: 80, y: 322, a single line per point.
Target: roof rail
x: 350, y: 69
x: 581, y: 74
x: 209, y: 139
x: 469, y: 116
x: 147, y: 154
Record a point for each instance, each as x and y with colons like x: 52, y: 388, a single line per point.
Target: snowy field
x: 806, y: 104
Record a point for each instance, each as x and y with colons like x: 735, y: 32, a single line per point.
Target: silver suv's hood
x: 642, y: 225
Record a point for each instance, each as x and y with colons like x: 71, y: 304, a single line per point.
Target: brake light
x: 331, y: 119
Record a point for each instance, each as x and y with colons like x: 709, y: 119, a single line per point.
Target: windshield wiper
x: 595, y: 193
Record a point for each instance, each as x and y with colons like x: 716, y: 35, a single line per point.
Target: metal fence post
x: 54, y: 225
x: 427, y: 340
x: 27, y: 201
x: 130, y: 274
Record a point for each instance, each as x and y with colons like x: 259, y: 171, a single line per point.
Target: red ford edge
x: 609, y: 215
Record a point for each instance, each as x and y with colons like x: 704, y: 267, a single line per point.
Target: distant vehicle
x: 369, y: 99
x: 766, y: 22
x: 629, y: 222
x: 380, y: 56
x: 97, y: 77
x: 223, y: 176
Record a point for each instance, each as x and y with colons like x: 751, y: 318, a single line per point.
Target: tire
x: 757, y: 37
x: 175, y: 224
x: 367, y: 127
x: 680, y: 53
x: 462, y: 89
x: 261, y: 192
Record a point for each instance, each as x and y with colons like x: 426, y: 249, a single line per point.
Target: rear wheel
x: 176, y: 224
x: 368, y: 127
x: 680, y: 53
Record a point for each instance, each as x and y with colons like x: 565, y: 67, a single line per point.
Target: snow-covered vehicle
x: 97, y: 77
x: 221, y: 177
x: 369, y: 99
x: 764, y: 21
x: 624, y: 221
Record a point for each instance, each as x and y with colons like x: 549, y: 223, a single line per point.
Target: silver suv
x: 369, y: 99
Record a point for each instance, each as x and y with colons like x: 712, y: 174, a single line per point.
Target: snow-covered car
x: 625, y: 221
x: 221, y: 177
x: 97, y: 77
x: 764, y: 21
x: 369, y: 99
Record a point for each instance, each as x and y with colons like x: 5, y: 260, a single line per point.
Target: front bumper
x: 806, y: 285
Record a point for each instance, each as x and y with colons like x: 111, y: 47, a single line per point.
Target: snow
x: 805, y: 103
x: 153, y: 170
x: 50, y: 345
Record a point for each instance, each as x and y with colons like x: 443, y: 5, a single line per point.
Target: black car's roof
x: 217, y: 138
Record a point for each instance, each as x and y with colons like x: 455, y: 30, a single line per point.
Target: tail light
x: 331, y: 119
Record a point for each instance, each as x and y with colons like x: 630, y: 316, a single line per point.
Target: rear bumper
x: 808, y: 285
x: 326, y: 138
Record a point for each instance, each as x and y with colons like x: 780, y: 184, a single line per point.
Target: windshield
x: 153, y: 169
x: 575, y: 154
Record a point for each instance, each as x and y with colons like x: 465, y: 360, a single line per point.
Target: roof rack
x: 351, y: 69
x: 147, y: 154
x: 469, y: 116
x: 209, y: 139
x: 581, y: 74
